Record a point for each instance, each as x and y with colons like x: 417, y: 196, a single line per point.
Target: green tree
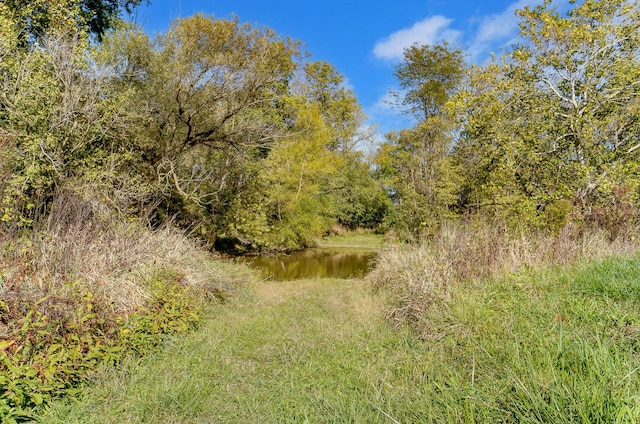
x: 557, y: 122
x: 415, y: 163
x: 428, y: 77
x: 297, y: 173
x: 339, y: 107
x: 207, y: 92
x: 35, y: 18
x: 358, y: 200
x: 57, y: 118
x: 494, y: 162
x: 585, y: 69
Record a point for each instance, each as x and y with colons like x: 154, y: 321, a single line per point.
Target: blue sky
x: 363, y: 39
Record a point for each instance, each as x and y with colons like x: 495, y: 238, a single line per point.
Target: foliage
x: 297, y: 173
x: 60, y: 128
x: 324, y: 86
x: 34, y: 19
x: 184, y: 127
x: 429, y: 76
x: 543, y: 137
x: 60, y: 341
x: 556, y: 121
x: 415, y: 164
x: 206, y: 91
x: 359, y: 198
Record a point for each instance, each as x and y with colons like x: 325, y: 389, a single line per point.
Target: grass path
x: 302, y: 351
x: 559, y: 345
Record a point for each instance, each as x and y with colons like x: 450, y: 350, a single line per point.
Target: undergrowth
x: 419, y: 277
x: 527, y: 330
x: 50, y: 355
x: 90, y: 291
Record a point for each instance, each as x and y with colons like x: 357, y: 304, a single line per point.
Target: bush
x: 52, y: 353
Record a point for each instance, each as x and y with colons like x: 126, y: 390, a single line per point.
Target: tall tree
x: 324, y: 85
x: 208, y: 91
x: 584, y: 75
x: 415, y: 163
x: 557, y: 123
x: 428, y: 76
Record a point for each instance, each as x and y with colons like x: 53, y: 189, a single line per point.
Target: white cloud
x: 485, y: 33
x: 428, y: 31
x: 501, y: 29
x: 502, y: 25
x: 496, y: 30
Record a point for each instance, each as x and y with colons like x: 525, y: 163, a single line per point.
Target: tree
x: 428, y: 76
x: 585, y: 71
x: 489, y: 153
x: 209, y: 93
x: 297, y: 174
x: 57, y: 121
x: 35, y: 18
x: 339, y: 107
x: 557, y: 122
x: 415, y: 163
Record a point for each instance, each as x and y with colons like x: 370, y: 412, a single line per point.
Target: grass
x: 305, y: 351
x: 78, y: 295
x: 556, y: 345
x: 360, y: 239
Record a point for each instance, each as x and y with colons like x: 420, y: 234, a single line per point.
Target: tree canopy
x: 228, y: 130
x: 33, y: 19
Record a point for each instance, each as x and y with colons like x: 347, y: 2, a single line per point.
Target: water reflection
x: 314, y: 263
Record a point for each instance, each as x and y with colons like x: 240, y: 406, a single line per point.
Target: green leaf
x: 5, y: 344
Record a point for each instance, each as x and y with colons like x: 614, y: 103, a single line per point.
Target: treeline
x: 545, y: 136
x: 218, y: 127
x: 229, y: 132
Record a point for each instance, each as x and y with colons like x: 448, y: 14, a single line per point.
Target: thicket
x: 542, y: 137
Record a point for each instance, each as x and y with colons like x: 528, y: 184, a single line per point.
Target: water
x: 333, y: 263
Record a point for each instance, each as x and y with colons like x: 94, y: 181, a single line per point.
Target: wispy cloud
x: 428, y: 31
x: 496, y: 30
x: 482, y: 35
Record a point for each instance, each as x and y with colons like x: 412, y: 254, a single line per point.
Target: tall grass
x: 421, y: 276
x: 81, y: 246
x: 521, y: 335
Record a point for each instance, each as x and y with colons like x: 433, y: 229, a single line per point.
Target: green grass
x: 560, y: 345
x: 360, y: 239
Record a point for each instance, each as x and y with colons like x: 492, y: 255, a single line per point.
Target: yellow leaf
x: 5, y: 344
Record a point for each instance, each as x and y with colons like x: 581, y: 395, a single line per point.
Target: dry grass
x: 421, y: 277
x: 87, y: 251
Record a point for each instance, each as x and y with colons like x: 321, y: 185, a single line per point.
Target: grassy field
x: 354, y: 239
x: 559, y: 345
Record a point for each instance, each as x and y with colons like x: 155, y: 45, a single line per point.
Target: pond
x: 314, y: 263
